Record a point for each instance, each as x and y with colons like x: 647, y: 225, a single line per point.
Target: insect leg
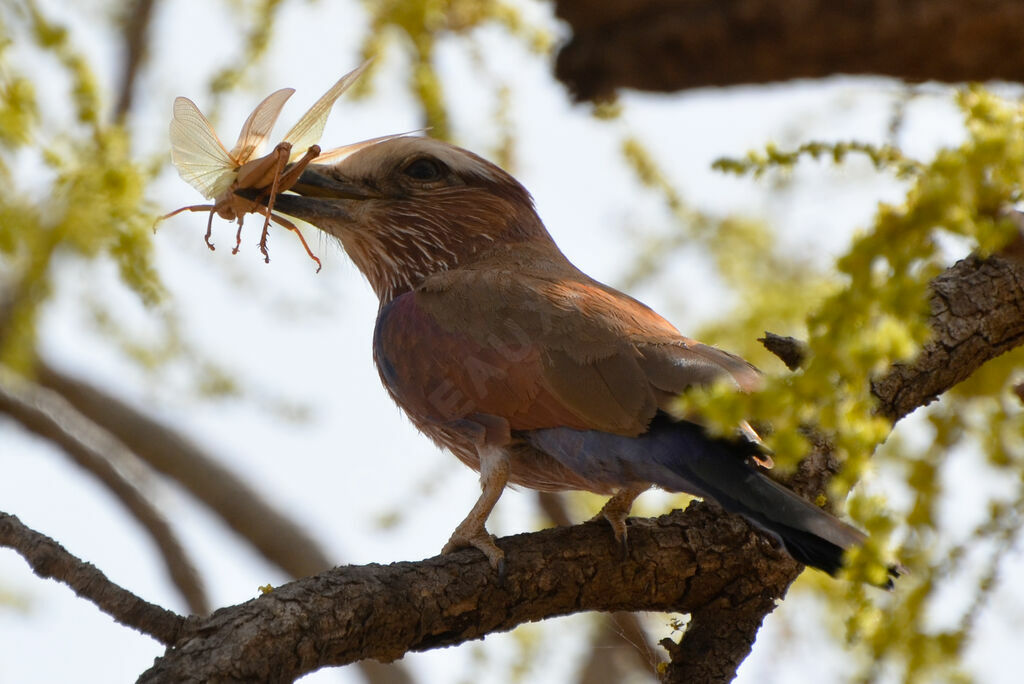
x: 194, y: 207
x: 280, y: 220
x: 209, y: 230
x: 238, y: 234
x: 281, y: 152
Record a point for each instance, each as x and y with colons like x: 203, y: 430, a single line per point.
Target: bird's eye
x: 424, y: 169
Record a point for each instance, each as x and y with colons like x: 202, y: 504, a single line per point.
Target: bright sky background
x: 293, y: 336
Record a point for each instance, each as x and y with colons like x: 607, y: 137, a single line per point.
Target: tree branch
x: 50, y: 560
x: 700, y: 561
x: 36, y: 410
x: 977, y: 314
x: 667, y: 46
x: 281, y: 540
x: 618, y: 632
x: 136, y: 30
x: 680, y: 562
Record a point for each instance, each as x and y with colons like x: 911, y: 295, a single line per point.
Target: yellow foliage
x: 857, y: 327
x: 93, y: 207
x: 421, y: 24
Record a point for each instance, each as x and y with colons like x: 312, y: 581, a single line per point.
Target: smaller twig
x: 48, y: 559
x: 135, y: 33
x: 792, y: 351
x: 45, y: 414
x: 619, y: 651
x: 553, y: 506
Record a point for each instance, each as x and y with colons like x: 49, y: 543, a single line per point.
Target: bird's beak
x: 320, y: 196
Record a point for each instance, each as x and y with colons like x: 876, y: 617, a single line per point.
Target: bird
x: 529, y: 371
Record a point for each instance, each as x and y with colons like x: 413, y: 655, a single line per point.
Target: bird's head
x: 408, y: 207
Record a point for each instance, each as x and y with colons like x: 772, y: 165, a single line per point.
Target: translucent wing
x: 311, y: 126
x: 257, y: 127
x: 197, y: 152
x: 339, y: 153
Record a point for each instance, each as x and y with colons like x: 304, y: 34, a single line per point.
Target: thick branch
x: 617, y: 632
x: 977, y: 314
x: 50, y: 560
x: 666, y: 45
x: 681, y: 562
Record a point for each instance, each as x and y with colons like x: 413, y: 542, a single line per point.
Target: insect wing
x: 339, y: 153
x: 197, y: 152
x: 257, y: 127
x: 310, y: 127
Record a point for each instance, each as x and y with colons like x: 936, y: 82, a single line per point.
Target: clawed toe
x: 616, y: 510
x: 618, y: 525
x: 477, y: 539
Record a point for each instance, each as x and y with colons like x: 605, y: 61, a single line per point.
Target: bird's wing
x: 676, y: 365
x: 540, y: 350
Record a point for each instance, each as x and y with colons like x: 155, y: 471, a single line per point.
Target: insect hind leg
x: 281, y: 221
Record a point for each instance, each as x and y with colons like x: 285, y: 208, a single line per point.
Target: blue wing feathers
x: 680, y: 456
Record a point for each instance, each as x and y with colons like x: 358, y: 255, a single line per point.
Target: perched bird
x: 528, y: 370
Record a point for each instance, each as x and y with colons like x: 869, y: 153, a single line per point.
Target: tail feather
x: 680, y: 456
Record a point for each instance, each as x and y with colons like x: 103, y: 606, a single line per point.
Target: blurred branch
x: 667, y: 46
x: 43, y: 416
x: 619, y: 651
x: 50, y: 560
x: 790, y: 350
x: 135, y: 37
x: 281, y: 541
x: 553, y: 506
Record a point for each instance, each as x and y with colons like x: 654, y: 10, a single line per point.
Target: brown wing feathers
x: 465, y: 349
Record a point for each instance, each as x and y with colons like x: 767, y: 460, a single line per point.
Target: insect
x: 218, y: 174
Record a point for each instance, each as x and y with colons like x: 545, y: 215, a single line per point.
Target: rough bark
x: 620, y: 646
x: 667, y: 45
x: 50, y: 560
x: 681, y: 562
x: 701, y: 561
x: 977, y: 314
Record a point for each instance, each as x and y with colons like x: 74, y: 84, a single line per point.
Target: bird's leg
x: 471, y: 532
x: 616, y: 510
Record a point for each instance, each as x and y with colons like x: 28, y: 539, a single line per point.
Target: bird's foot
x: 477, y: 537
x: 617, y: 521
x: 616, y: 510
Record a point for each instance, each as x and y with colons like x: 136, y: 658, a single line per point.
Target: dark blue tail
x: 681, y: 457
